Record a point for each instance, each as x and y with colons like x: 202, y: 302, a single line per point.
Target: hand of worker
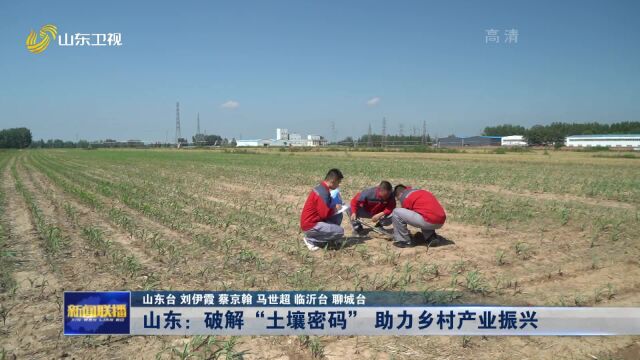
x: 377, y: 217
x: 353, y: 217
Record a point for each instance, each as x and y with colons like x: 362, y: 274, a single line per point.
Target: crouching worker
x: 375, y: 203
x: 420, y: 209
x: 319, y: 221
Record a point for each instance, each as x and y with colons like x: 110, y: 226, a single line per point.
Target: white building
x: 285, y: 139
x: 282, y: 134
x: 253, y: 143
x: 316, y: 140
x: 513, y: 140
x: 609, y: 140
x: 292, y: 139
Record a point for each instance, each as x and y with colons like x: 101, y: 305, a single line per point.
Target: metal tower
x: 424, y: 132
x: 178, y: 135
x: 198, y: 131
x: 334, y: 133
x: 384, y: 131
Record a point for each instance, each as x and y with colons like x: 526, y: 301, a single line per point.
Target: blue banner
x: 97, y: 313
x: 331, y: 313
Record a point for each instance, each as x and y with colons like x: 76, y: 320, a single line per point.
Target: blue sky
x: 304, y: 64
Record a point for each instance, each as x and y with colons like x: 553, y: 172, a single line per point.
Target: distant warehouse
x: 514, y: 140
x: 610, y: 140
x: 253, y: 143
x: 454, y: 141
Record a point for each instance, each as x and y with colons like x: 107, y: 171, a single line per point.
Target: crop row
x: 573, y: 176
x: 123, y: 262
x: 151, y: 187
x: 464, y: 204
x: 301, y: 277
x: 246, y: 256
x: 52, y: 235
x: 7, y: 282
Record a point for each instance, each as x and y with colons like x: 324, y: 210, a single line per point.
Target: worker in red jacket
x: 420, y: 209
x: 319, y: 220
x: 375, y: 203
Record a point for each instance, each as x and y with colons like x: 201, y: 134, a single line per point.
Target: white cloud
x: 373, y: 101
x: 231, y: 104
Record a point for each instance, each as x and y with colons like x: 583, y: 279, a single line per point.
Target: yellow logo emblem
x: 46, y: 33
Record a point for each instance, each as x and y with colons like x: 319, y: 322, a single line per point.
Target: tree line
x: 16, y: 138
x: 80, y: 144
x: 210, y: 140
x: 556, y: 132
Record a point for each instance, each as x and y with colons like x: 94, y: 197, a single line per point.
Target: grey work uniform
x: 325, y: 231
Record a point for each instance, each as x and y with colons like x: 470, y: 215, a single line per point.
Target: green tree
x: 16, y: 138
x: 504, y: 130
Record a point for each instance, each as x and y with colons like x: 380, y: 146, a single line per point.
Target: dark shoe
x: 403, y: 244
x: 433, y: 240
x: 337, y: 244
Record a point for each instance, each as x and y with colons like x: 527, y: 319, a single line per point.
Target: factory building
x: 286, y: 139
x: 610, y: 140
x: 316, y: 140
x: 514, y: 140
x: 253, y: 143
x: 454, y: 141
x: 282, y: 134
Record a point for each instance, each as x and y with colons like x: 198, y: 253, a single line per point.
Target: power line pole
x: 369, y: 138
x: 178, y: 135
x: 401, y: 129
x: 424, y: 132
x: 334, y: 133
x: 198, y: 131
x: 384, y: 131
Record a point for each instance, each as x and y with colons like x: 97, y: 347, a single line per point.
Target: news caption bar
x: 326, y: 313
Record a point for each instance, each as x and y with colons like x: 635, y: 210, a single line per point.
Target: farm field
x: 531, y: 228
